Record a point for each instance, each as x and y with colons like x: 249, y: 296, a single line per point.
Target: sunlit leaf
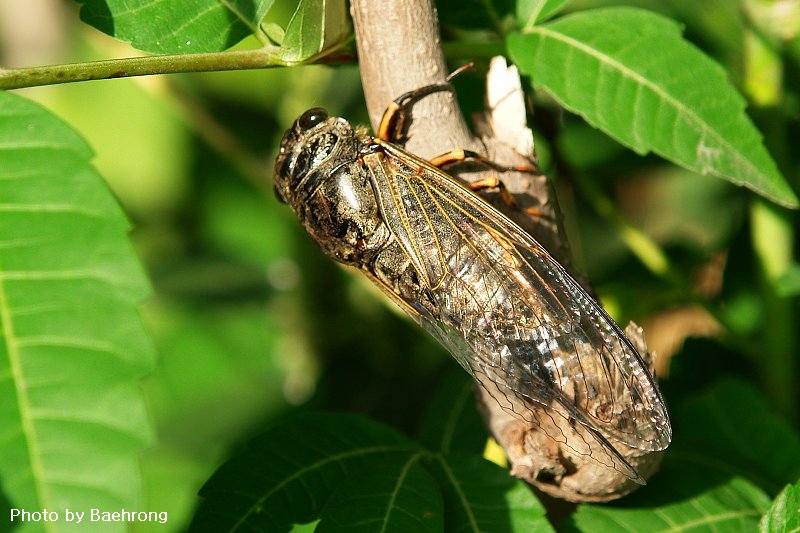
x: 72, y: 415
x: 305, y: 528
x: 285, y: 476
x: 784, y: 515
x: 719, y: 26
x: 315, y: 26
x: 630, y: 73
x: 679, y: 499
x: 531, y: 12
x: 176, y: 27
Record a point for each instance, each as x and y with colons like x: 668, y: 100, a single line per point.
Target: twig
x: 18, y: 78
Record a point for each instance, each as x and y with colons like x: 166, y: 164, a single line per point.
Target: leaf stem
x: 266, y: 57
x: 18, y: 78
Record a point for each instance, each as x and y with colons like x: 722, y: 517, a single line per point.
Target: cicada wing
x: 557, y: 424
x: 540, y: 411
x: 509, y: 311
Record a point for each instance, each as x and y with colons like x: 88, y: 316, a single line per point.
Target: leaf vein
x: 697, y: 123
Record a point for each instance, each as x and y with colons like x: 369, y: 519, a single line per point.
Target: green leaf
x: 274, y: 32
x: 531, y: 12
x: 452, y: 423
x: 481, y: 496
x: 630, y: 73
x: 784, y: 515
x: 176, y: 27
x: 286, y: 476
x: 395, y: 496
x: 72, y: 415
x: 731, y: 428
x: 5, y: 510
x: 315, y: 26
x: 679, y: 499
x: 305, y: 528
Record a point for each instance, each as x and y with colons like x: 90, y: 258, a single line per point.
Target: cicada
x: 508, y: 312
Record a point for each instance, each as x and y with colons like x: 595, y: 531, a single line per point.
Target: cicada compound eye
x: 311, y: 118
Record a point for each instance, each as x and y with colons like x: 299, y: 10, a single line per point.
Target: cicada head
x: 318, y: 174
x: 311, y: 149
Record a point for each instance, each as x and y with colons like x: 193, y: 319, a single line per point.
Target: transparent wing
x: 514, y: 318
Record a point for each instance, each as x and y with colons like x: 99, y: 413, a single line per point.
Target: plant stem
x: 772, y: 234
x: 140, y: 66
x: 267, y: 57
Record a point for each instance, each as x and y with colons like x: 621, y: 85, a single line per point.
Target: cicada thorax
x: 318, y: 173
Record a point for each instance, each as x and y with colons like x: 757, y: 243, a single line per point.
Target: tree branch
x: 399, y: 50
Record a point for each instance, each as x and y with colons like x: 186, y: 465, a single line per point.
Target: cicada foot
x: 489, y: 182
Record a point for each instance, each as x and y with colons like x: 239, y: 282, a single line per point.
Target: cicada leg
x: 460, y: 155
x: 489, y: 182
x: 391, y: 129
x: 393, y: 120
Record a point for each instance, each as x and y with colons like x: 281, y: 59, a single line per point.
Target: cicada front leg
x: 394, y: 123
x: 489, y: 182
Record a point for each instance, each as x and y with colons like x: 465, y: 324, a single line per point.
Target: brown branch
x: 399, y: 50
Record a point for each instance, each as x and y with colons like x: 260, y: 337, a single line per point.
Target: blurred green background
x: 251, y: 322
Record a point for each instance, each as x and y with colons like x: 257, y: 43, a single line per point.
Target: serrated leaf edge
x: 697, y: 121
